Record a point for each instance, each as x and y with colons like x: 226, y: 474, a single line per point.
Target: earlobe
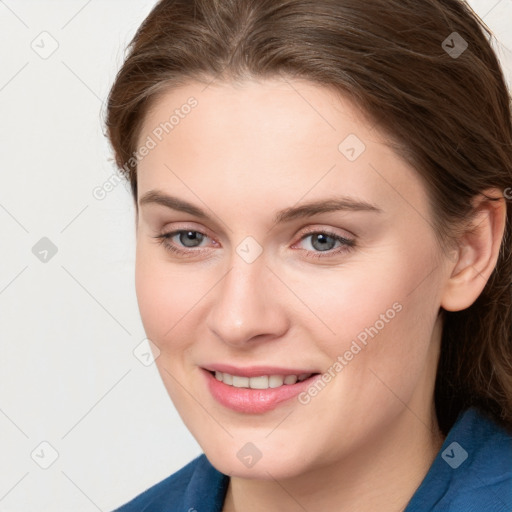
x: 478, y: 252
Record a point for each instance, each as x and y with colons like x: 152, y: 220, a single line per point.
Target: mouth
x: 257, y: 393
x: 261, y: 381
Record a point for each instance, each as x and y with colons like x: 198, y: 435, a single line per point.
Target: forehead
x: 273, y: 138
x: 256, y: 111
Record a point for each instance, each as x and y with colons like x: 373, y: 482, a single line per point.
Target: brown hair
x: 448, y: 115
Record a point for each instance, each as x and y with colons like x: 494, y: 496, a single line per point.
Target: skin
x: 247, y: 151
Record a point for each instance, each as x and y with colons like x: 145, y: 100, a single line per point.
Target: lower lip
x: 254, y: 401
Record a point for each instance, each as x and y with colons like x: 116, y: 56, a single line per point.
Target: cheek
x: 378, y: 314
x: 166, y: 295
x: 349, y: 301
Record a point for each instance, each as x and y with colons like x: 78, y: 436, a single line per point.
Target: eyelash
x: 347, y: 244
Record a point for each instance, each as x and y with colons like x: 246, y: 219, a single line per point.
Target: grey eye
x: 322, y: 242
x: 190, y: 238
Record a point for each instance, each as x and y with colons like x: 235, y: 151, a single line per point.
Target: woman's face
x: 297, y: 243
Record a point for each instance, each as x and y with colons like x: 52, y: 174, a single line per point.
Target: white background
x: 69, y: 326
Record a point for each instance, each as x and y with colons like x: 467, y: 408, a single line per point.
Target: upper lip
x: 256, y: 371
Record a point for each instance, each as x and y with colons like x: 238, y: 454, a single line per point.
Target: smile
x: 260, y: 382
x: 256, y: 394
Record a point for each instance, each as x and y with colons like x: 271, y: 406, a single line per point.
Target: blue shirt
x: 471, y: 473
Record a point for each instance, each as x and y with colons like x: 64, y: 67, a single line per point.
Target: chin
x: 266, y: 464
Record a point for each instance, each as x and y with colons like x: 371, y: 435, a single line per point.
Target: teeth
x: 274, y: 381
x: 290, y: 379
x: 260, y: 382
x: 240, y: 382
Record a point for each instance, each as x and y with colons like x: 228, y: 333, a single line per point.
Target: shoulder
x: 486, y: 481
x: 197, y: 482
x: 472, y: 471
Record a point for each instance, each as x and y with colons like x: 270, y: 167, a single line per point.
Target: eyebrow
x: 288, y: 214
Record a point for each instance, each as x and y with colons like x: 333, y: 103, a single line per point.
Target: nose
x: 246, y: 307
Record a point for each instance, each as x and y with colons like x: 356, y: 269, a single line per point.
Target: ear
x: 477, y: 252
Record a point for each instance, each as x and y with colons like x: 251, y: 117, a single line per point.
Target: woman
x: 323, y: 267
